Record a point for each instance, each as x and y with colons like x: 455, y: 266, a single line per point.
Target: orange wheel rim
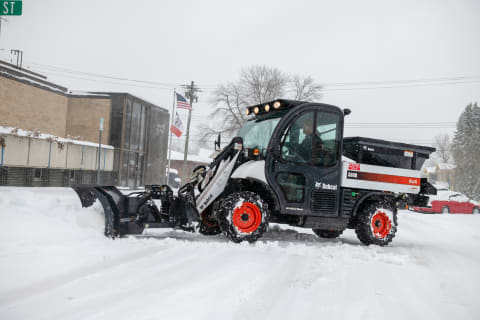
x: 381, y: 225
x: 247, y: 217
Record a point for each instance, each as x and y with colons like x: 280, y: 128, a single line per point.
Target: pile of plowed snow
x: 48, y: 215
x: 55, y: 263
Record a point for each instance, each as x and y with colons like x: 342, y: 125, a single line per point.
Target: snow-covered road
x: 56, y: 264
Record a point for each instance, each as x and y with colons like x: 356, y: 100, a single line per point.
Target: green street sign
x: 10, y: 8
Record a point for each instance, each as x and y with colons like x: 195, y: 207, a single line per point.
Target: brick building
x: 137, y: 130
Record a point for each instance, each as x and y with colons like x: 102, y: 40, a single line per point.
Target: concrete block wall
x: 42, y: 153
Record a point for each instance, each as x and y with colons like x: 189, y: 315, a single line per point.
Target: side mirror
x: 347, y: 111
x: 218, y: 141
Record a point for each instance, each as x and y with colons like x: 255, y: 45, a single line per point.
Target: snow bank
x: 56, y: 264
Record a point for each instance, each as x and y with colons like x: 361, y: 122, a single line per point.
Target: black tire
x: 328, y: 234
x: 208, y: 226
x: 445, y: 210
x: 376, y: 223
x: 476, y: 210
x: 243, y: 216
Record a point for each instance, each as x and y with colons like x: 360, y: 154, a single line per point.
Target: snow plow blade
x: 113, y: 203
x: 132, y: 213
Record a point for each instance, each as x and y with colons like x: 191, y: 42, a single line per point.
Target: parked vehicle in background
x: 449, y: 202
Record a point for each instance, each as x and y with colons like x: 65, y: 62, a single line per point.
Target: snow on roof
x: 75, y: 94
x: 30, y: 77
x: 446, y: 166
x: 45, y: 136
x: 203, y: 156
x: 32, y: 81
x: 11, y: 67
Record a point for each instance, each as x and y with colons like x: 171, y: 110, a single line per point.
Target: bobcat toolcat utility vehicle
x: 289, y: 164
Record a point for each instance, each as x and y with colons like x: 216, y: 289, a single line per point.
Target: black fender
x: 257, y: 186
x: 368, y: 195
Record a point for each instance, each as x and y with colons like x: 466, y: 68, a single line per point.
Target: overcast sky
x: 174, y: 42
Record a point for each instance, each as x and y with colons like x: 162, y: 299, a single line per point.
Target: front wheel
x: 376, y: 223
x: 243, y: 216
x: 476, y: 210
x: 445, y: 210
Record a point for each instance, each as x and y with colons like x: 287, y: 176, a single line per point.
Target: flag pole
x: 170, y: 131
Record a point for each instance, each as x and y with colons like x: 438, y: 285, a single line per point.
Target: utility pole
x: 190, y: 94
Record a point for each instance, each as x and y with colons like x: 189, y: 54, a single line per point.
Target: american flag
x: 182, y: 102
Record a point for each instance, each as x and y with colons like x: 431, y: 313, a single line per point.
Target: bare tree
x: 257, y: 84
x: 229, y: 110
x: 260, y: 84
x: 442, y: 143
x: 305, y: 89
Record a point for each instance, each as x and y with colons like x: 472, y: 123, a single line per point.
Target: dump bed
x: 386, y: 153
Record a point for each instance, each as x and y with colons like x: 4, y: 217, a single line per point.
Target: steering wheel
x: 290, y: 154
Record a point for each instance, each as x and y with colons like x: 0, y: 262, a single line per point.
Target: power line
x: 52, y: 68
x: 401, y: 86
x: 456, y: 78
x: 109, y: 82
x: 337, y: 86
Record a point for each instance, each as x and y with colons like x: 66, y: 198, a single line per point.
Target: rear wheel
x: 376, y: 223
x: 445, y: 210
x: 243, y: 216
x: 476, y: 210
x: 328, y: 234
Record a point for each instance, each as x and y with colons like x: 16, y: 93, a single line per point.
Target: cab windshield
x: 257, y: 133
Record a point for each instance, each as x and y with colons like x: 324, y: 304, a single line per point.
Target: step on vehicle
x: 289, y: 164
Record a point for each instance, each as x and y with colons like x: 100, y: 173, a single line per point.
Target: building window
x: 37, y: 174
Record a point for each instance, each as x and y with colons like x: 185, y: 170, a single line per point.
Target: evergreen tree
x: 466, y: 152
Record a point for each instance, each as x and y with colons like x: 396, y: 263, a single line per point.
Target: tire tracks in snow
x: 60, y: 280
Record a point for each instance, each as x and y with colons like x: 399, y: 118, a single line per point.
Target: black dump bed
x: 386, y: 153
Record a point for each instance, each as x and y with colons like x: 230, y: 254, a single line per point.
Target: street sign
x: 10, y: 8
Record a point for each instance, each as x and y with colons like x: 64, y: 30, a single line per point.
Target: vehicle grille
x: 324, y: 202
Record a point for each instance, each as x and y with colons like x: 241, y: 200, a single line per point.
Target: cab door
x: 304, y: 159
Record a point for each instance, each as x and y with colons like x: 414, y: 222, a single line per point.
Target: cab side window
x: 312, y: 139
x: 325, y: 142
x: 297, y: 140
